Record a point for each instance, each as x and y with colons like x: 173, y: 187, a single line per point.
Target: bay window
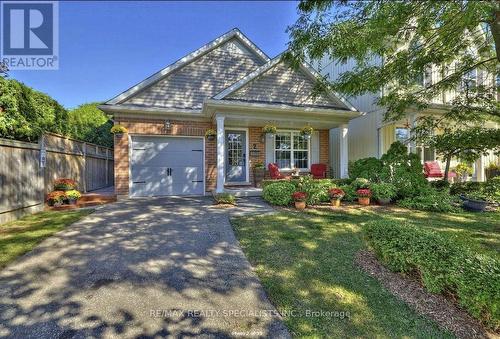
x: 291, y: 150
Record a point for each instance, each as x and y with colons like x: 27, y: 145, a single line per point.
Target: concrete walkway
x: 158, y: 267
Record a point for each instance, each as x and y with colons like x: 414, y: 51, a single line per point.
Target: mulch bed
x: 443, y: 311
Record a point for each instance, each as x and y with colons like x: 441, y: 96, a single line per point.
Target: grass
x: 306, y: 262
x: 22, y: 235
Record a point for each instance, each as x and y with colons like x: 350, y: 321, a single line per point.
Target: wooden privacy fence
x: 28, y: 170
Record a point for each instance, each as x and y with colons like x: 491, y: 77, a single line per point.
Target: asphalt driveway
x: 143, y: 268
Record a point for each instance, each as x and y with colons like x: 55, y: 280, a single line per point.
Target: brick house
x: 231, y: 86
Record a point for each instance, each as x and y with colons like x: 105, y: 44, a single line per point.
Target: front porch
x: 241, y: 144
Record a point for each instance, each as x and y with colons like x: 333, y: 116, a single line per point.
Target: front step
x: 244, y: 191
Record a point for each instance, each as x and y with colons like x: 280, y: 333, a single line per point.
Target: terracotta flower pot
x: 364, y: 201
x: 300, y: 205
x: 335, y: 202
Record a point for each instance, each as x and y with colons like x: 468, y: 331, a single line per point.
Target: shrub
x: 64, y: 185
x: 73, y: 195
x: 336, y: 193
x: 460, y: 188
x: 364, y: 193
x: 492, y: 189
x: 370, y: 168
x: 489, y: 190
x: 278, y: 193
x: 225, y: 198
x: 55, y: 197
x: 443, y: 264
x: 299, y: 196
x: 440, y: 185
x: 341, y: 182
x: 383, y: 190
x: 403, y: 170
x: 360, y: 183
x: 350, y: 193
x: 430, y: 200
x: 316, y: 189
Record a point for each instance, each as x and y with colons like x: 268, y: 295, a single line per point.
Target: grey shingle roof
x: 206, y: 76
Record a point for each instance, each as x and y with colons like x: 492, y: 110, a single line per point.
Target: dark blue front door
x: 235, y: 156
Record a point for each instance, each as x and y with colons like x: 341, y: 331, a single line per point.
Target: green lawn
x: 21, y: 236
x: 306, y: 262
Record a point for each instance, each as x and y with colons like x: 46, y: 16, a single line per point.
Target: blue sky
x: 106, y: 47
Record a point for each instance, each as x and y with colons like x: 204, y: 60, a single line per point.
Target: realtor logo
x: 30, y: 35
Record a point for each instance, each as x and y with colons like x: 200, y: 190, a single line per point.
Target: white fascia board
x: 141, y: 109
x: 186, y: 60
x: 242, y: 105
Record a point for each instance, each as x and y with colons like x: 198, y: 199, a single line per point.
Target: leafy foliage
x: 489, y: 190
x: 225, y: 198
x: 278, y: 193
x: 316, y: 189
x: 369, y: 168
x: 415, y: 38
x: 26, y: 113
x: 88, y: 123
x: 430, y: 200
x: 383, y: 190
x: 443, y: 264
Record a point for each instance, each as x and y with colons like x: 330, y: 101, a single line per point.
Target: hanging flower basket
x: 306, y: 132
x: 118, y: 129
x: 269, y: 130
x: 210, y: 134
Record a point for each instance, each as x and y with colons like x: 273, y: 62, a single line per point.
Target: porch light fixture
x: 167, y: 124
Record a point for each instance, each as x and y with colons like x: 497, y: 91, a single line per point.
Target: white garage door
x: 166, y: 166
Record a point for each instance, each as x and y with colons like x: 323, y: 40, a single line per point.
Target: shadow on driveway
x: 139, y: 268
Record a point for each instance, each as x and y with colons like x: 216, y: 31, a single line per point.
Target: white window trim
x: 309, y: 153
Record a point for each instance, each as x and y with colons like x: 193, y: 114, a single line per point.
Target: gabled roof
x: 162, y: 74
x: 296, y: 95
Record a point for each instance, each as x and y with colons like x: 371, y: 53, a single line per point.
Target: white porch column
x: 343, y: 150
x: 220, y: 154
x: 480, y: 175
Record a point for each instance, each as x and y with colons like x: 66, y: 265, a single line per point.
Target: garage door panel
x: 151, y: 159
x: 168, y: 159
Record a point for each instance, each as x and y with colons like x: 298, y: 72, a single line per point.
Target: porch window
x: 291, y: 150
x: 402, y: 134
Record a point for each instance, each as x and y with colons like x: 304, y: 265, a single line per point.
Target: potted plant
x: 493, y: 170
x: 364, y: 195
x: 383, y: 192
x: 336, y: 194
x: 210, y: 134
x: 475, y: 201
x: 118, y: 130
x: 258, y: 173
x: 269, y: 130
x: 64, y: 185
x: 72, y: 196
x: 300, y: 200
x: 56, y: 198
x: 306, y: 132
x: 463, y: 171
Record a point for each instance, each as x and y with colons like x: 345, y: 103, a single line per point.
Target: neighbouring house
x: 371, y: 136
x: 229, y: 85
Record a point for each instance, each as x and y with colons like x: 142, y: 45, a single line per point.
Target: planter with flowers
x: 56, y: 198
x: 306, y: 132
x: 364, y: 195
x: 258, y: 173
x: 336, y: 194
x: 269, y: 130
x: 210, y: 134
x: 64, y: 185
x: 73, y: 196
x: 300, y: 200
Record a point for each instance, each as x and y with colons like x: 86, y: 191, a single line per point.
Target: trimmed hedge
x: 279, y: 193
x: 316, y: 189
x: 443, y: 264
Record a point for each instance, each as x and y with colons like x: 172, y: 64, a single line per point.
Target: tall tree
x: 89, y: 123
x: 453, y: 38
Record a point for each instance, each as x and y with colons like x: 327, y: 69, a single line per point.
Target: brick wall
x: 324, y: 144
x: 141, y: 126
x: 255, y: 138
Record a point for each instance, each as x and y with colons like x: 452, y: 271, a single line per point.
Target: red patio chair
x: 274, y: 172
x: 318, y: 171
x: 432, y: 170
